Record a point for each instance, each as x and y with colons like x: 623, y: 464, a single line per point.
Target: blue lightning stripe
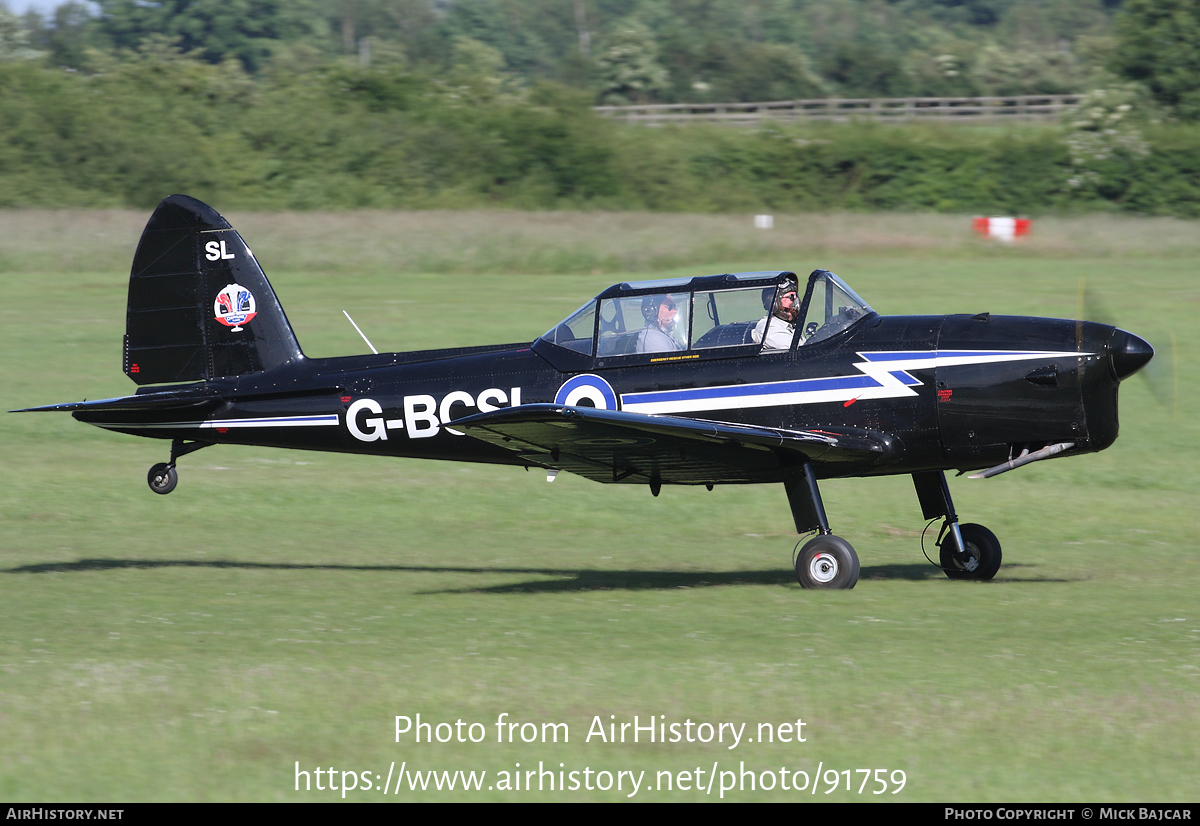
x: 885, y: 375
x: 740, y: 390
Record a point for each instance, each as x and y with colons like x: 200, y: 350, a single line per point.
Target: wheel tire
x: 827, y: 562
x: 162, y: 478
x: 983, y: 551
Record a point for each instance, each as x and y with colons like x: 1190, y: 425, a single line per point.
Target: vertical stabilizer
x: 200, y: 306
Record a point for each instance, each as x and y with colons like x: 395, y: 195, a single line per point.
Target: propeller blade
x: 1161, y: 374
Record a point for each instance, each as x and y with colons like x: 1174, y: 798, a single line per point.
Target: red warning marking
x: 345, y: 399
x: 133, y: 368
x: 944, y: 395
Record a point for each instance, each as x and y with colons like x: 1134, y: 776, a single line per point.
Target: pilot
x: 783, y: 310
x: 660, y: 314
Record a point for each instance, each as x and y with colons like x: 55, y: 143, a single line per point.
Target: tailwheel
x: 162, y: 478
x: 827, y: 561
x: 982, y: 558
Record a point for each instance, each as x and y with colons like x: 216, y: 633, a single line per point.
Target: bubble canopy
x: 707, y: 315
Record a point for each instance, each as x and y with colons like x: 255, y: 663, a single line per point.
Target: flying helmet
x: 650, y: 305
x: 772, y: 297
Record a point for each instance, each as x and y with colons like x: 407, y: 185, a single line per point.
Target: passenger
x: 785, y: 310
x: 660, y: 314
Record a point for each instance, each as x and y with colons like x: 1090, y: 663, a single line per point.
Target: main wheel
x: 827, y: 562
x: 162, y: 478
x: 982, y: 559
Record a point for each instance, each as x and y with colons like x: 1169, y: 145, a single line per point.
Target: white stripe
x: 285, y: 421
x: 755, y: 400
x: 223, y: 424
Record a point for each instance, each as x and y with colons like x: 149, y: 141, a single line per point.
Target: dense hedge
x: 347, y: 137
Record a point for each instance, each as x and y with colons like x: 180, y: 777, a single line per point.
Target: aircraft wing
x: 614, y: 446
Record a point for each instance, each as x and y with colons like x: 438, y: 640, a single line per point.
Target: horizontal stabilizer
x: 167, y: 400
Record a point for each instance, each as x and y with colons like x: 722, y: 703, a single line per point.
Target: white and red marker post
x: 1002, y: 228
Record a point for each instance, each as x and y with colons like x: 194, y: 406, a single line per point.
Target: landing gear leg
x: 967, y: 551
x: 163, y: 477
x: 826, y: 561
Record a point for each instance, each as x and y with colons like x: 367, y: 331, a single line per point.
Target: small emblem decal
x: 234, y: 306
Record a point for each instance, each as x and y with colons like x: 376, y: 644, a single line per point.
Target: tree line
x: 668, y: 51
x: 267, y: 104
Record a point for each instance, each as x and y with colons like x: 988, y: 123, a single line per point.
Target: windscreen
x: 576, y: 333
x: 832, y: 307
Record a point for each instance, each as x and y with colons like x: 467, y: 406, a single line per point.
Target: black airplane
x: 725, y: 379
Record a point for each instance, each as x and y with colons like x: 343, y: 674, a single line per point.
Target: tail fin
x: 200, y: 306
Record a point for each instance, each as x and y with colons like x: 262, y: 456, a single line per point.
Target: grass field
x: 284, y: 607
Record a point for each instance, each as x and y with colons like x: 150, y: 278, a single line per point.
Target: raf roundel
x: 589, y: 388
x: 234, y: 306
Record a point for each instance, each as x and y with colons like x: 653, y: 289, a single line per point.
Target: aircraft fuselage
x: 953, y: 391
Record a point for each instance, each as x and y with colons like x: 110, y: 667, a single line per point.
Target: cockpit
x: 749, y: 313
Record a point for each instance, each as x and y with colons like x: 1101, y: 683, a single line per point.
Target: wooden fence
x: 976, y: 110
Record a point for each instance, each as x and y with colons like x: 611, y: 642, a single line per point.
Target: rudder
x: 200, y: 306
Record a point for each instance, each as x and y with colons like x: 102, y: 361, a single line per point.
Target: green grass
x: 285, y: 606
